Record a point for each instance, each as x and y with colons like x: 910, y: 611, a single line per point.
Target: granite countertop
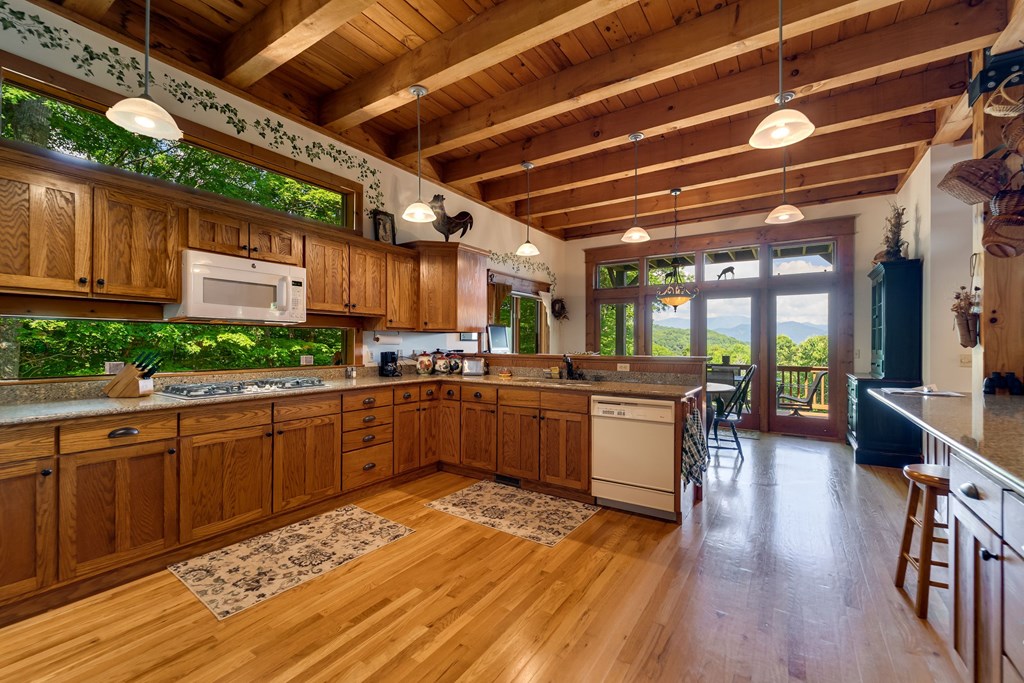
x: 987, y: 429
x: 25, y: 413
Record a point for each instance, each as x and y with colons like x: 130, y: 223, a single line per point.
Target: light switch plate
x: 965, y: 360
x: 622, y: 367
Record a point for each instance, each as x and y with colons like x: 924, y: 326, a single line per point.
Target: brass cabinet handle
x: 123, y: 432
x: 369, y: 466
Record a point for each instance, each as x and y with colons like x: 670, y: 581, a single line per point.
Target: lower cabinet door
x: 565, y: 449
x: 449, y: 432
x: 430, y: 429
x: 975, y: 567
x: 479, y: 436
x: 225, y: 480
x: 116, y: 505
x: 407, y: 437
x: 28, y: 526
x: 519, y: 442
x: 307, y: 461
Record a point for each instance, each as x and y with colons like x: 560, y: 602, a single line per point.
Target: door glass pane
x: 618, y: 328
x: 803, y: 258
x: 659, y: 268
x: 728, y: 331
x: 670, y: 331
x: 801, y: 355
x: 528, y: 328
x: 616, y: 275
x: 741, y: 262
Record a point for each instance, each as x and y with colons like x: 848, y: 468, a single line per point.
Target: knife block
x: 128, y: 384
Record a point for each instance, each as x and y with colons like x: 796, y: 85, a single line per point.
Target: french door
x: 730, y: 338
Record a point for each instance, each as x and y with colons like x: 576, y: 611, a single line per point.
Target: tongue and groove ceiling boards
x: 562, y: 83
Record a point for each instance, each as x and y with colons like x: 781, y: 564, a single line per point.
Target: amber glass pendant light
x: 676, y: 291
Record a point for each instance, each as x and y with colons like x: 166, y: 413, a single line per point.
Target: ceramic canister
x: 424, y: 364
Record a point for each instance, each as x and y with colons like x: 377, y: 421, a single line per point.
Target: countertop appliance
x: 633, y: 460
x: 218, y: 287
x: 474, y: 366
x: 244, y: 387
x: 388, y: 366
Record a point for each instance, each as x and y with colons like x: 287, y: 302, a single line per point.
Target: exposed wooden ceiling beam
x: 94, y: 9
x: 907, y: 96
x: 953, y: 122
x: 1012, y: 37
x: 283, y: 30
x: 824, y: 195
x: 888, y: 136
x: 765, y: 186
x: 722, y: 34
x: 915, y: 42
x: 495, y: 35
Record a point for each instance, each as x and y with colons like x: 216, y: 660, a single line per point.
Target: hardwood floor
x: 784, y: 573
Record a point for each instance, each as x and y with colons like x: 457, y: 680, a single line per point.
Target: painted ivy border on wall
x: 87, y: 59
x: 519, y: 263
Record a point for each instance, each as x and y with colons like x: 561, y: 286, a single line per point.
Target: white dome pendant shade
x: 419, y: 211
x: 636, y: 234
x: 784, y: 213
x: 784, y: 126
x: 527, y: 248
x: 142, y: 115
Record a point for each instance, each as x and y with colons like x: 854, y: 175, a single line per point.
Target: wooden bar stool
x: 934, y: 479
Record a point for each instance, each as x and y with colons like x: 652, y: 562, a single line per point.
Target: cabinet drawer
x: 565, y: 402
x: 408, y: 394
x: 366, y: 466
x: 1013, y: 606
x: 1013, y: 523
x: 361, y: 419
x: 452, y: 392
x: 982, y: 495
x: 524, y: 398
x: 216, y: 419
x: 364, y: 438
x: 120, y: 430
x: 478, y: 394
x: 24, y: 443
x: 429, y: 392
x: 368, y: 398
x: 299, y: 408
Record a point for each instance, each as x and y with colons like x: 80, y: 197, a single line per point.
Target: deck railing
x: 795, y: 380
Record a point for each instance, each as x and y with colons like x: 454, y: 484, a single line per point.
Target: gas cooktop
x: 245, y: 387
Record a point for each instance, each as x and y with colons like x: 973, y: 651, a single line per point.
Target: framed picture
x: 383, y: 226
x: 469, y: 336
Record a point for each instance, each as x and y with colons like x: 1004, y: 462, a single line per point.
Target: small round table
x: 709, y: 409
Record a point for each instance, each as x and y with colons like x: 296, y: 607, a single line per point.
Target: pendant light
x: 676, y: 291
x: 141, y: 114
x: 636, y: 234
x: 784, y: 126
x: 784, y: 213
x: 527, y: 248
x: 418, y: 211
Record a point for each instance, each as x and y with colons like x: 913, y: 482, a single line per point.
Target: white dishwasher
x: 633, y: 459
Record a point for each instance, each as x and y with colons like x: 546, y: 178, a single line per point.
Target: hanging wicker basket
x: 1008, y: 200
x: 1001, y: 104
x: 1013, y: 134
x: 1004, y: 236
x: 975, y: 180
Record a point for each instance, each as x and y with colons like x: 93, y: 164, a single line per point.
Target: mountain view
x: 799, y: 343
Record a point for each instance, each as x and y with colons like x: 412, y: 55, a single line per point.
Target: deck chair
x: 730, y: 412
x: 798, y: 403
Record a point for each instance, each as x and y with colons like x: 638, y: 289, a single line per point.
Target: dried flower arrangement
x: 892, y: 237
x: 967, y: 314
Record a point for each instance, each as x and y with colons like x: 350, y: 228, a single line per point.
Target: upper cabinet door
x: 280, y: 245
x: 45, y: 232
x: 136, y: 246
x: 403, y: 292
x: 326, y: 275
x: 218, y: 232
x: 367, y: 281
x: 439, y: 280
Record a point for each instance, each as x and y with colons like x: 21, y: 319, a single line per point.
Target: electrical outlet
x: 305, y: 360
x: 965, y: 360
x: 856, y: 354
x: 401, y: 354
x: 622, y: 367
x: 373, y: 357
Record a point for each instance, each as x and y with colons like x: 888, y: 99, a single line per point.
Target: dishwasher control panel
x: 644, y: 410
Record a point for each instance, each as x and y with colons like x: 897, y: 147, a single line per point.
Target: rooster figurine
x: 449, y: 225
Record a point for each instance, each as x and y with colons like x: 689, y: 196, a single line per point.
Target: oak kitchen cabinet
x: 345, y: 278
x: 449, y: 437
x: 408, y: 444
x: 402, y: 292
x: 28, y: 525
x: 453, y: 287
x: 307, y: 460
x: 479, y: 436
x: 565, y: 449
x: 544, y: 436
x: 367, y: 281
x: 367, y: 442
x: 225, y: 480
x: 117, y: 505
x: 417, y: 410
x: 37, y: 212
x: 136, y: 246
x: 519, y: 442
x: 234, y: 235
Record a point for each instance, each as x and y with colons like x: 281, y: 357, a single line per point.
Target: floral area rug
x: 239, y: 576
x: 534, y: 516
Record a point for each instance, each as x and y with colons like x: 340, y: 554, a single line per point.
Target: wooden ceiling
x: 562, y: 83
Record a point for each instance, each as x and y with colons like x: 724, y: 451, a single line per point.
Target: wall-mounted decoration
x: 518, y: 263
x: 967, y: 314
x: 559, y: 310
x: 127, y: 71
x: 383, y: 226
x: 449, y: 225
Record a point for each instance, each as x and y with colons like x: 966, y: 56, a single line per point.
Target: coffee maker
x: 389, y: 364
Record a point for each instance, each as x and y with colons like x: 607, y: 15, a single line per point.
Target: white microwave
x: 218, y: 287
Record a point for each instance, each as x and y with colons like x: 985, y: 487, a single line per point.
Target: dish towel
x: 695, y: 456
